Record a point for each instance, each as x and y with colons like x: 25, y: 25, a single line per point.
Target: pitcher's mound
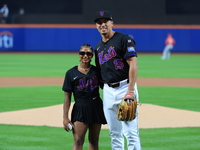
x: 150, y: 116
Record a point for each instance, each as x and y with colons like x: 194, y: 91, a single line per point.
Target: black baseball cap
x: 103, y: 14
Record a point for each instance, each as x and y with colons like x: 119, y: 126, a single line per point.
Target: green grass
x: 170, y: 138
x: 18, y: 98
x: 36, y: 65
x: 17, y: 137
x: 179, y: 66
x: 174, y: 97
x: 55, y: 65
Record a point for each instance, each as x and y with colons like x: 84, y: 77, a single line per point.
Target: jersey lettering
x: 83, y: 83
x: 93, y: 83
x: 104, y: 58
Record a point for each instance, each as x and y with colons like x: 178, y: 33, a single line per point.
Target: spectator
x: 4, y: 11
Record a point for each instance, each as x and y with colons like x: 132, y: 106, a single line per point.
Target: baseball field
x: 31, y: 102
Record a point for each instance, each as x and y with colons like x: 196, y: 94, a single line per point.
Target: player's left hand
x: 129, y: 97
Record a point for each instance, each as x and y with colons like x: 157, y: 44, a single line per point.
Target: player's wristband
x: 130, y: 91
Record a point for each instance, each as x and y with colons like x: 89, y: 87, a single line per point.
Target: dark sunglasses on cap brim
x: 86, y: 53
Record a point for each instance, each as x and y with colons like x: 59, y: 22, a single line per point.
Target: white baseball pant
x: 111, y: 98
x: 167, y: 51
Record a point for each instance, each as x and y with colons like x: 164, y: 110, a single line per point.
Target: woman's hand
x: 68, y: 126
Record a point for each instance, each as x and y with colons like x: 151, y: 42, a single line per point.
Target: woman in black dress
x: 87, y: 113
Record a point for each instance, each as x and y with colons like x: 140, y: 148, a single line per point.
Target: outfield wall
x: 69, y: 37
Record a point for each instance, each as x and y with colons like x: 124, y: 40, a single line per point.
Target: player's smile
x: 103, y: 29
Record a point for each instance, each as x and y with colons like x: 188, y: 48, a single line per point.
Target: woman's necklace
x: 84, y: 68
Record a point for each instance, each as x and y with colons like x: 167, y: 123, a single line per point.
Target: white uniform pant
x: 167, y: 51
x: 111, y: 99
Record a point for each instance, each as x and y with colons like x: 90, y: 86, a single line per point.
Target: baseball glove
x: 127, y: 108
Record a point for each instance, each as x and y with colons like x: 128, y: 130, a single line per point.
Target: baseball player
x: 169, y: 41
x: 116, y: 57
x: 87, y: 113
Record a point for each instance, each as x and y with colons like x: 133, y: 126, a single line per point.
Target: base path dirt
x: 150, y: 116
x: 40, y: 81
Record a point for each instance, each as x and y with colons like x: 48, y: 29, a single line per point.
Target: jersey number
x: 118, y: 64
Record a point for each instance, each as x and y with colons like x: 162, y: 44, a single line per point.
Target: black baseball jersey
x: 83, y: 86
x: 111, y: 57
x: 88, y: 106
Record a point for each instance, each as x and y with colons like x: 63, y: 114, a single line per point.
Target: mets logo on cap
x: 101, y: 13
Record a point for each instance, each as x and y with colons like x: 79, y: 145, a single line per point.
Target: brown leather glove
x: 127, y: 108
